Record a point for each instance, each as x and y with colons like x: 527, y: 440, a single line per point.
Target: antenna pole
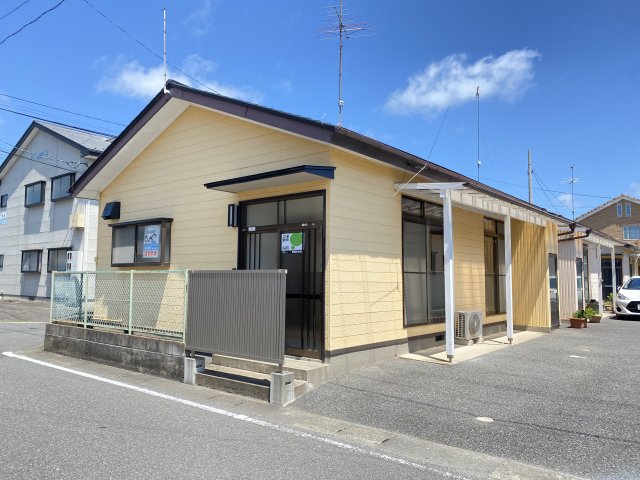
x: 341, y: 32
x: 572, y: 180
x: 164, y: 39
x: 478, y: 102
x: 529, y: 172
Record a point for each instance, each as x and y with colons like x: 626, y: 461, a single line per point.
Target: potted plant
x: 608, y: 302
x: 578, y: 320
x: 594, y: 304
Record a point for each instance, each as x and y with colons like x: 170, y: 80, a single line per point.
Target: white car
x: 628, y: 299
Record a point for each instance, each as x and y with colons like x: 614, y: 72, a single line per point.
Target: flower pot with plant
x: 578, y: 320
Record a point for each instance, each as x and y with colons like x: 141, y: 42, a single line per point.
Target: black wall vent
x: 111, y: 211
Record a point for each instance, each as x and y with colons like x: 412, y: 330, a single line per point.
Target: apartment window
x: 61, y: 185
x: 34, y: 194
x: 627, y: 209
x: 31, y: 261
x: 422, y: 262
x: 494, y: 267
x: 619, y: 209
x: 631, y: 232
x: 1, y: 261
x: 57, y: 260
x: 146, y: 242
x: 3, y: 200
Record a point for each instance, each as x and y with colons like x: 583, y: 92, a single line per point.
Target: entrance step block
x: 315, y: 373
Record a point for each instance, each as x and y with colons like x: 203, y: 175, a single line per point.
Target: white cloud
x: 634, y: 189
x: 132, y: 79
x: 199, y: 21
x: 452, y: 81
x: 565, y: 199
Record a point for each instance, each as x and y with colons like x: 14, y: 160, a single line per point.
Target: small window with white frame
x: 31, y: 261
x: 61, y: 186
x: 631, y: 232
x: 619, y: 210
x: 627, y: 209
x: 34, y: 194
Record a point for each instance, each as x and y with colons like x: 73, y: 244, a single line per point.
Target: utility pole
x: 478, y: 102
x: 529, y: 174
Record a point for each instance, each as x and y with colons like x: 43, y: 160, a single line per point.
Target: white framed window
x: 627, y: 209
x: 31, y: 261
x: 631, y: 232
x: 61, y: 185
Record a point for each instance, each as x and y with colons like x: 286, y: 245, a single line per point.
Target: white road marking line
x: 243, y: 418
x: 576, y: 356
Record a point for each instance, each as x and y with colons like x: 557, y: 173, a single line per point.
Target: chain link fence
x: 151, y: 301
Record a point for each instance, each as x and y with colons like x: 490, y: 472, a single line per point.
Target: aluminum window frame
x: 625, y: 235
x: 164, y: 245
x: 1, y: 261
x: 495, y: 277
x: 619, y: 210
x: 39, y: 268
x: 57, y: 250
x: 4, y: 200
x: 43, y: 187
x: 68, y: 193
x: 627, y: 209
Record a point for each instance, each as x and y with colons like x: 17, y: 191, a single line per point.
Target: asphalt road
x: 64, y: 418
x: 568, y: 401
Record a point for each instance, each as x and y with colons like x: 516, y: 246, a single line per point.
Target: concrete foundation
x: 281, y: 392
x: 154, y: 356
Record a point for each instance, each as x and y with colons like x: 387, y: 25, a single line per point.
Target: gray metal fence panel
x: 238, y: 313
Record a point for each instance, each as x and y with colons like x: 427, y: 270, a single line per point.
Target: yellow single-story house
x: 385, y: 252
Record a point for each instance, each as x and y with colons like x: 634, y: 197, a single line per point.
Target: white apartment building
x: 40, y: 222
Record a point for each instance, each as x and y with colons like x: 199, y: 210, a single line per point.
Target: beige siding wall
x: 531, y: 307
x: 364, y: 255
x: 166, y: 180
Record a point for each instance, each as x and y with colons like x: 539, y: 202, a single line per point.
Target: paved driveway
x: 22, y: 310
x: 568, y: 401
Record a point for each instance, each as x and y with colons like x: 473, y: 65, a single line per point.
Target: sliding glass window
x: 422, y: 262
x: 494, y: 267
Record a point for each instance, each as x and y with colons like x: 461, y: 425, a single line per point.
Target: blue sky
x: 559, y: 77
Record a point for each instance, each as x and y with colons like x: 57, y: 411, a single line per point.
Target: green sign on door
x: 291, y: 242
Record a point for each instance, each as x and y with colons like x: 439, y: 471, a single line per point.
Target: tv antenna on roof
x: 478, y: 102
x: 164, y: 45
x: 572, y: 180
x: 344, y: 29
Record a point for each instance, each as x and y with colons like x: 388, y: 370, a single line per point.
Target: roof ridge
x: 73, y: 127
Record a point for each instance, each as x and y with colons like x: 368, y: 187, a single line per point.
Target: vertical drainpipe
x: 449, y: 294
x: 509, y: 279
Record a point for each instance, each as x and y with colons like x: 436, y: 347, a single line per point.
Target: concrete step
x: 243, y: 382
x: 306, y: 370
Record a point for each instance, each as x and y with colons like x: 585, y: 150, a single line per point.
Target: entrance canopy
x: 274, y: 178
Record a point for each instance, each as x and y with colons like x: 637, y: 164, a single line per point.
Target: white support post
x: 625, y: 267
x: 599, y: 269
x: 613, y: 279
x: 449, y: 294
x: 509, y: 279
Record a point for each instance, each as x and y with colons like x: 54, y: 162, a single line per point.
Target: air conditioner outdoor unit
x: 468, y: 325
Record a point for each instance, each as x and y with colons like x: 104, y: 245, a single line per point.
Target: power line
x: 38, y: 161
x: 547, y: 189
x: 33, y: 117
x: 9, y: 13
x: 62, y: 110
x: 31, y: 22
x: 547, y: 196
x: 161, y: 57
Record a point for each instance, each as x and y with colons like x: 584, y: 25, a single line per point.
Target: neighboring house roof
x: 88, y: 142
x: 93, y: 181
x: 623, y: 197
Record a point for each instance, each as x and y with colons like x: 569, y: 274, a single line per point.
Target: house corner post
x: 449, y: 294
x: 509, y: 277
x: 614, y: 292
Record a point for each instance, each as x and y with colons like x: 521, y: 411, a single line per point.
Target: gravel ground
x: 568, y: 401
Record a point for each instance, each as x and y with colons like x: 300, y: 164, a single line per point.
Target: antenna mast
x: 572, y: 180
x: 344, y: 30
x: 478, y: 102
x: 529, y: 173
x: 164, y: 39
